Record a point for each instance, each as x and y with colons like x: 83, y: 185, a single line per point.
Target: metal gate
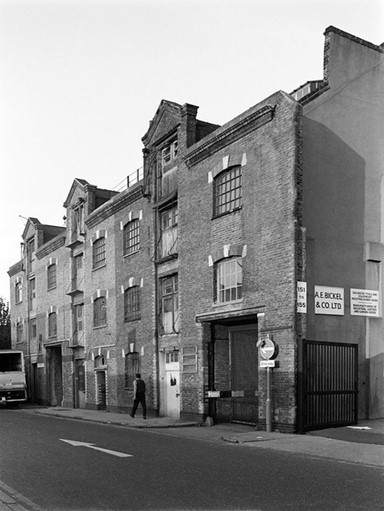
x: 328, y: 385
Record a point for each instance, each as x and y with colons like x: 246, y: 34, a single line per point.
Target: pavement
x: 362, y: 444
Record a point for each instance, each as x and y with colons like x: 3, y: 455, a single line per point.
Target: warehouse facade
x: 266, y: 228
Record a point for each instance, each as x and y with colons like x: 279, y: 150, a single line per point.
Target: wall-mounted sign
x: 365, y: 302
x: 329, y: 300
x: 301, y: 297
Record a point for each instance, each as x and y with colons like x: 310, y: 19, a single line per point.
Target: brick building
x: 265, y: 229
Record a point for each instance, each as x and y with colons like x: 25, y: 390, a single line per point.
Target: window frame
x: 132, y: 304
x: 51, y: 277
x: 170, y: 296
x: 52, y: 324
x: 99, y: 253
x: 131, y: 367
x: 19, y: 332
x: 18, y: 292
x: 169, y: 153
x: 131, y: 237
x: 227, y: 196
x: 100, y: 312
x: 224, y: 274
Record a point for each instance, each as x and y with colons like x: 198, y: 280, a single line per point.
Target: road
x: 169, y: 472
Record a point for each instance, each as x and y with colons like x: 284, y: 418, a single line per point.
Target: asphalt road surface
x: 128, y: 469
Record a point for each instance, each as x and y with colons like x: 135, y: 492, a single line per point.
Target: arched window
x: 132, y: 366
x: 228, y: 191
x: 51, y: 276
x: 98, y: 253
x: 229, y: 279
x: 132, y: 303
x: 100, y: 311
x: 18, y: 292
x: 52, y: 324
x: 131, y: 241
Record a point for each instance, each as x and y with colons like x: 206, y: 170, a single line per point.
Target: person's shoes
x: 132, y: 416
x: 144, y: 417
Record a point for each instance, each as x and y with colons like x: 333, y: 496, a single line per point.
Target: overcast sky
x: 81, y: 79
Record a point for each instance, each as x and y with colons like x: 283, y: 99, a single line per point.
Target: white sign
x: 267, y: 347
x: 302, y: 297
x: 267, y: 363
x: 329, y: 300
x: 365, y: 302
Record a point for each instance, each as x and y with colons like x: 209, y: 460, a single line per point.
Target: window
x: 78, y: 311
x: 169, y: 304
x: 19, y: 332
x: 229, y: 280
x: 228, y: 191
x: 32, y: 293
x: 169, y: 153
x: 100, y: 311
x: 31, y: 250
x: 99, y: 253
x: 132, y: 303
x: 78, y: 218
x: 33, y: 329
x: 132, y: 366
x: 168, y: 226
x: 52, y: 324
x: 77, y: 271
x: 18, y: 292
x: 131, y: 237
x: 51, y: 276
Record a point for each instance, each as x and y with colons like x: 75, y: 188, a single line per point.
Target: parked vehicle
x: 13, y: 387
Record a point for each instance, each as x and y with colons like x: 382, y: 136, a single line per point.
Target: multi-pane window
x: 132, y: 303
x: 169, y: 153
x: 18, y: 292
x: 168, y: 226
x: 52, y: 324
x: 132, y: 366
x: 228, y: 191
x: 51, y: 276
x: 229, y: 280
x: 169, y: 304
x: 131, y: 237
x: 100, y: 311
x: 99, y: 253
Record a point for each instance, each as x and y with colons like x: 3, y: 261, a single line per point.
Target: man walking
x: 139, y: 395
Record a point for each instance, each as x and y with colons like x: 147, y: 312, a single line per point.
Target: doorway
x: 79, y: 384
x: 171, y: 385
x: 55, y: 375
x: 101, y: 388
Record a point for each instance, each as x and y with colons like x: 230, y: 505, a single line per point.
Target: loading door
x: 328, y: 385
x: 244, y: 375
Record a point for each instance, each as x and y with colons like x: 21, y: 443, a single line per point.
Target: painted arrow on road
x: 92, y: 446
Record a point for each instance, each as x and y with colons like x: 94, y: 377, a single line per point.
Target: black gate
x: 328, y: 385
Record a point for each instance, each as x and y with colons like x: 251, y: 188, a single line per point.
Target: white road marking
x: 92, y: 446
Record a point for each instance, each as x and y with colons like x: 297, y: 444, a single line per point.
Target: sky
x: 81, y: 79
